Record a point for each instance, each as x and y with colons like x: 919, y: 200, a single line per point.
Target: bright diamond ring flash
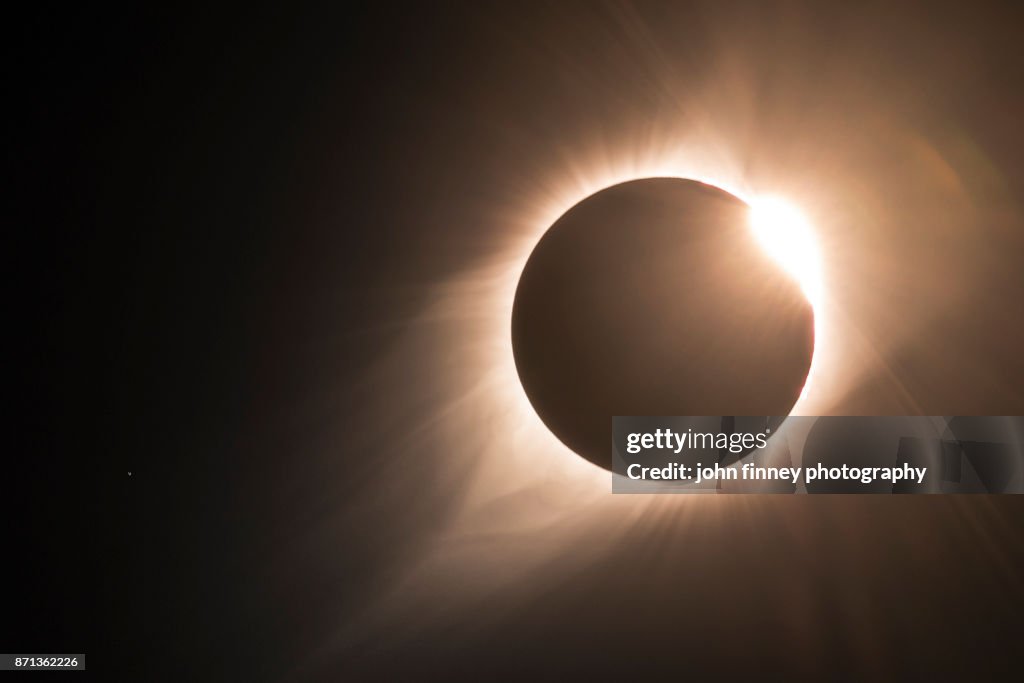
x: 788, y: 238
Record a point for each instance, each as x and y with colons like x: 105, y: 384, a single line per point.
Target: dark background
x: 216, y: 219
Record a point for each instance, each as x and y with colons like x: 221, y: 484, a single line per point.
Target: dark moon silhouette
x: 652, y: 297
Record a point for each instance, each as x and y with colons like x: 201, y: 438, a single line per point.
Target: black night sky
x: 258, y: 428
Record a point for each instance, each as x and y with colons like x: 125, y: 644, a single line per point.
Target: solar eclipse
x: 663, y: 296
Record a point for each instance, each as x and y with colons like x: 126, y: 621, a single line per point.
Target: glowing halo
x: 779, y: 227
x: 526, y: 496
